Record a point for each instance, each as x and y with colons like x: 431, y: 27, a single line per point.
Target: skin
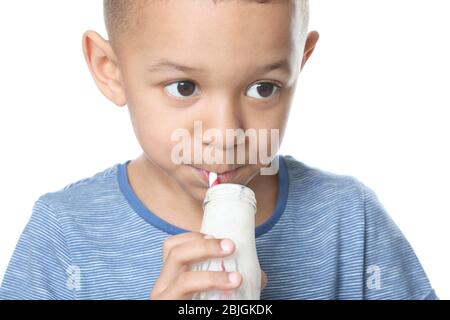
x: 228, y: 42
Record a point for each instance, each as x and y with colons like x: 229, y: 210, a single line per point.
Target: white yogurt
x: 229, y: 212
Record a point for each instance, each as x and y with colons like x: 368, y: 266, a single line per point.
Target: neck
x: 166, y: 199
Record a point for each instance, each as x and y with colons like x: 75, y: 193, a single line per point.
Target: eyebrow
x: 166, y: 65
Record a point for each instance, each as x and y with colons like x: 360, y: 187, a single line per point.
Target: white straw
x: 212, y: 178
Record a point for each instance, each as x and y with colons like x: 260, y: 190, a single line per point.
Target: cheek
x: 153, y: 133
x: 156, y: 143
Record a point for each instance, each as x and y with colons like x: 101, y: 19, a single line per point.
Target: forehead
x: 203, y: 32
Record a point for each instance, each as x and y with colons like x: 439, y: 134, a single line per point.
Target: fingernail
x: 207, y: 236
x: 226, y: 245
x: 234, y: 277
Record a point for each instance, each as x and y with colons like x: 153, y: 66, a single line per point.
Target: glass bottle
x: 229, y: 212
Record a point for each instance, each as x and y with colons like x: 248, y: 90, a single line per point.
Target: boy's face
x: 229, y: 47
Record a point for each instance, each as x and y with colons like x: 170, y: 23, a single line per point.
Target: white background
x: 372, y: 102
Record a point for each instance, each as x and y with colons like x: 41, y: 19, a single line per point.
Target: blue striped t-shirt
x: 328, y: 238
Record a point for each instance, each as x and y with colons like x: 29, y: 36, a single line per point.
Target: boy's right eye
x: 182, y: 89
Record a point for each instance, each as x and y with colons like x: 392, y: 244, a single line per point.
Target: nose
x: 220, y: 123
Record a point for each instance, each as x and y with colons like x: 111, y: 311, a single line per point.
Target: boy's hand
x: 179, y: 252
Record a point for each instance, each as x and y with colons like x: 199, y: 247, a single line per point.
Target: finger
x: 167, y: 245
x: 195, y: 251
x: 191, y: 282
x: 178, y: 239
x: 263, y: 279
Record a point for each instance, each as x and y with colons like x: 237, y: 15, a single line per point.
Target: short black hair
x: 122, y: 16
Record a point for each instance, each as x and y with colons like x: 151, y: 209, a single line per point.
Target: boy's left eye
x: 263, y: 90
x: 188, y: 89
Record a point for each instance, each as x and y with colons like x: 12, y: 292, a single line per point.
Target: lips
x: 224, y: 176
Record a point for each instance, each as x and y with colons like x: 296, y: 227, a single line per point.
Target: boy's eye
x: 188, y: 89
x: 264, y: 90
x: 182, y: 89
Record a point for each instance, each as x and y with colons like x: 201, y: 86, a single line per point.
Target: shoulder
x: 94, y: 190
x: 308, y: 182
x: 316, y: 195
x: 320, y: 197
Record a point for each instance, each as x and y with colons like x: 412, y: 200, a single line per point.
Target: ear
x: 310, y: 45
x: 103, y: 66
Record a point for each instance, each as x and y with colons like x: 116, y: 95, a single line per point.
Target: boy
x: 132, y: 230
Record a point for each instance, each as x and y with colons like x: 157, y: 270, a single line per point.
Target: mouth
x: 226, y: 175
